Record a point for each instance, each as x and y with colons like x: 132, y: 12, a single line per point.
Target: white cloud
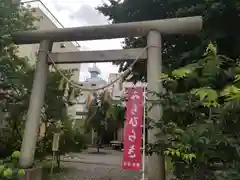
x: 72, y: 13
x: 87, y: 14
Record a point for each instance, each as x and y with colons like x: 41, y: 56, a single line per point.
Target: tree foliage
x: 16, y: 78
x: 14, y: 70
x: 200, y: 120
x: 104, y: 115
x: 220, y: 19
x: 199, y: 127
x: 10, y: 167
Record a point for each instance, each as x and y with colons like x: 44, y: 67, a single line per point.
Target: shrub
x: 70, y: 141
x: 9, y: 169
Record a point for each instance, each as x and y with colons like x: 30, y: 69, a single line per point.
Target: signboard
x: 132, y: 159
x: 55, y: 143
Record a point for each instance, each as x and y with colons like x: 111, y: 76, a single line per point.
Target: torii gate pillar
x: 156, y: 163
x: 35, y: 106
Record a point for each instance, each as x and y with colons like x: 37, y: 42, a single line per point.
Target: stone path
x: 80, y: 171
x: 90, y: 166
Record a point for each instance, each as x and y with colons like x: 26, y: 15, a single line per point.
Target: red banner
x: 132, y: 159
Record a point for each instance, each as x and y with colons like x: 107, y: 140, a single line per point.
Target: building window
x: 62, y: 45
x: 79, y: 109
x: 81, y: 84
x: 80, y: 113
x: 93, y: 84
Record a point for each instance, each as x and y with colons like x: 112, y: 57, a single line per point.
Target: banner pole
x: 144, y: 132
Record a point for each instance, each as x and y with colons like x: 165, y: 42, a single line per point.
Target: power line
x: 86, y: 44
x: 54, y: 17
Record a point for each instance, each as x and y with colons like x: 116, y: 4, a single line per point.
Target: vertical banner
x: 132, y: 159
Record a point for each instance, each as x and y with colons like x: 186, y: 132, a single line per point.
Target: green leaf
x: 184, y: 71
x: 206, y: 94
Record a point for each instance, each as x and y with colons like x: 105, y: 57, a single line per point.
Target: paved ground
x: 79, y: 171
x: 91, y: 166
x: 107, y: 157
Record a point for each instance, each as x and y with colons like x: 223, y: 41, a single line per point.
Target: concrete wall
x: 115, y: 90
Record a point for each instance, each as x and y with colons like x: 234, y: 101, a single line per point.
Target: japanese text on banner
x: 132, y: 159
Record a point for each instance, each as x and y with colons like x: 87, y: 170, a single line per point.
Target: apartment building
x: 85, y: 97
x: 48, y: 22
x: 117, y: 90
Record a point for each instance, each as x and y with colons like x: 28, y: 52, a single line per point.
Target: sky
x: 72, y: 13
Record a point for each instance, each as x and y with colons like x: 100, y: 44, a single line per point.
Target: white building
x: 94, y: 81
x: 48, y: 22
x: 117, y: 90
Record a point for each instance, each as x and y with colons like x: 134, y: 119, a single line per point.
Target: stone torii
x: 152, y: 29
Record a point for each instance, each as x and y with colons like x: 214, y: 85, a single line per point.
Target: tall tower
x: 94, y: 71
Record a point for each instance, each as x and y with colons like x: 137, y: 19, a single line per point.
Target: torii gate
x: 153, y: 30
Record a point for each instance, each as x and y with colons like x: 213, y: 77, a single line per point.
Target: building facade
x: 46, y: 22
x: 117, y: 90
x: 81, y: 106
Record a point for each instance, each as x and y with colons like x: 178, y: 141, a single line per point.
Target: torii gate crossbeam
x: 151, y: 29
x: 187, y: 25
